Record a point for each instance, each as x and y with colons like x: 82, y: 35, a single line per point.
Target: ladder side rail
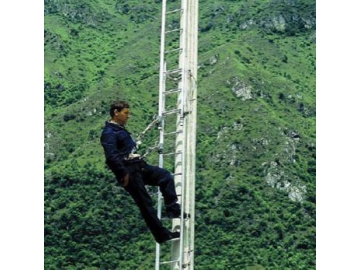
x: 190, y: 123
x: 162, y: 60
x: 183, y: 55
x: 183, y: 192
x: 161, y: 128
x: 161, y: 109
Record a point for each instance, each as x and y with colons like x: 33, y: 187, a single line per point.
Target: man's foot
x: 172, y: 236
x: 173, y: 209
x: 173, y: 214
x: 176, y: 214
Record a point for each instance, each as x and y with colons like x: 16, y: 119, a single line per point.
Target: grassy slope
x: 252, y: 156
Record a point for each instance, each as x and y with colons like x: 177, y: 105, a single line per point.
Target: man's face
x: 122, y: 117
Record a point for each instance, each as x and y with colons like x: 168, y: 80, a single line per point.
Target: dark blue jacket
x: 117, y: 144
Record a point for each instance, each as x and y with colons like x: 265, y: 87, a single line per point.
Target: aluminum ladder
x: 177, y: 122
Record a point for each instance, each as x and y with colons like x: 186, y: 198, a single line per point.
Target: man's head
x: 119, y: 112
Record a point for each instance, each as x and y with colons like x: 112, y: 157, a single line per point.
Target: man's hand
x: 126, y: 180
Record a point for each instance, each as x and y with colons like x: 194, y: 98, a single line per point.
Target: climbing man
x: 133, y: 173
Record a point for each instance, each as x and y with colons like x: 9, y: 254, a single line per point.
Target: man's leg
x: 143, y: 200
x: 156, y: 176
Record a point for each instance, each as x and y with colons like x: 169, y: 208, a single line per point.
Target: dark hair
x: 118, y: 105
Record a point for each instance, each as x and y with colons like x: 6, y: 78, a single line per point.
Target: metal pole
x: 161, y: 109
x: 191, y: 126
x: 186, y: 140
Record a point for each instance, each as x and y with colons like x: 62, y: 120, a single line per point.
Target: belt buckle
x: 133, y: 156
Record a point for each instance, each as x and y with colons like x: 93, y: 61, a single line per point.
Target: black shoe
x: 172, y: 215
x: 173, y: 210
x: 171, y: 237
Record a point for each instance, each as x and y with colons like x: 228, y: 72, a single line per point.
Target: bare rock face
x: 240, y: 89
x: 276, y: 174
x: 277, y: 178
x: 279, y: 23
x: 73, y: 11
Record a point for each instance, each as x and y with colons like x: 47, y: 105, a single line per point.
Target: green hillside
x: 256, y: 157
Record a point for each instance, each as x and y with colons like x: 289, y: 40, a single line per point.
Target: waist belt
x: 133, y: 156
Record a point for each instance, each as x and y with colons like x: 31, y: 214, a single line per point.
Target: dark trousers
x: 142, y: 174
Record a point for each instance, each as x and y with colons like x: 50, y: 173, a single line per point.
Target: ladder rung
x: 173, y: 11
x: 173, y: 132
x: 171, y: 91
x: 174, y: 30
x: 173, y: 50
x: 171, y: 112
x: 178, y: 195
x: 172, y: 71
x: 167, y: 262
x: 186, y: 216
x: 173, y: 153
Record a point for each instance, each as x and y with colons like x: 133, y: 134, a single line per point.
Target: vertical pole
x: 178, y: 224
x: 186, y: 140
x: 160, y: 117
x: 191, y: 124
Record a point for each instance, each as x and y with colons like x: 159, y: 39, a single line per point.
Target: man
x: 133, y: 173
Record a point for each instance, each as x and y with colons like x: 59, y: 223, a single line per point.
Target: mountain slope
x: 256, y: 159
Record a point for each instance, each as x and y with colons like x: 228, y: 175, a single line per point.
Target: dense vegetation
x: 256, y: 162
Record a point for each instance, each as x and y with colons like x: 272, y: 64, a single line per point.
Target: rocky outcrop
x: 75, y: 11
x: 277, y: 178
x: 240, y: 88
x: 276, y: 174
